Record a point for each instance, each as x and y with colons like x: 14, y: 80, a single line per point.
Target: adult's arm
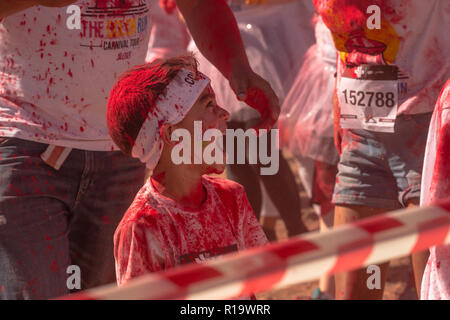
x: 9, y: 7
x: 216, y: 34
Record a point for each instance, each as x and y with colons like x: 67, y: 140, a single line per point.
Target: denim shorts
x: 51, y: 219
x: 382, y: 170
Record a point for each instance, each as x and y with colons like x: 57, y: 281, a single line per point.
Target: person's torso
x: 412, y: 36
x: 194, y: 235
x: 56, y: 80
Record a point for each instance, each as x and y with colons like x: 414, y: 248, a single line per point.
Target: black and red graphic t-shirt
x: 157, y: 233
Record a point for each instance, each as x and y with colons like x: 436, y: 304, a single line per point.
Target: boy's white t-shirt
x: 55, y: 82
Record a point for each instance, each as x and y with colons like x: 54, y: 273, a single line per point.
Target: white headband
x: 182, y: 92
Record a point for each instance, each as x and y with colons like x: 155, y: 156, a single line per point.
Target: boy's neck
x: 179, y: 184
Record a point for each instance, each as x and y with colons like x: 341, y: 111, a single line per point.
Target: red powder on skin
x: 70, y: 73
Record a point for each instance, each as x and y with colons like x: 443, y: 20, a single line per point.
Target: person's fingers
x: 266, y: 102
x: 240, y: 88
x: 269, y: 106
x: 258, y: 94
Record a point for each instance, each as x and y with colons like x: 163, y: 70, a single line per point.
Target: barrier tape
x: 303, y: 258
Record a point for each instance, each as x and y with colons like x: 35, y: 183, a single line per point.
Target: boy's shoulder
x: 231, y: 193
x: 141, y: 211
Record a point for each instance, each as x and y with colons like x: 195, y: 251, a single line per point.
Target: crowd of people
x: 90, y: 118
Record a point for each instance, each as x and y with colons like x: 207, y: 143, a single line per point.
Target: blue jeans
x: 51, y: 219
x: 382, y: 170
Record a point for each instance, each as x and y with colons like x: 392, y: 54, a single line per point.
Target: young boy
x: 181, y: 214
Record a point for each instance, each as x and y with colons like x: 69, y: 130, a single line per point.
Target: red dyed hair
x: 135, y: 93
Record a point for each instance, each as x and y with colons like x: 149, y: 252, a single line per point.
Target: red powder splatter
x: 54, y: 267
x: 81, y: 129
x: 70, y: 73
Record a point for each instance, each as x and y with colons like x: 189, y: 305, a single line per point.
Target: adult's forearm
x: 9, y: 7
x: 216, y: 34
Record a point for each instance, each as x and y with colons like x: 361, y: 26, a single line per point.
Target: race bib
x: 368, y: 98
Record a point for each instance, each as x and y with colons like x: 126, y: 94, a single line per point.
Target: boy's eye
x: 210, y: 104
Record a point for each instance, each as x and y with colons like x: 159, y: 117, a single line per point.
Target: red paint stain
x: 54, y: 267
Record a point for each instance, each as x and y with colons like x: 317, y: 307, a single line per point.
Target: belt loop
x: 55, y: 156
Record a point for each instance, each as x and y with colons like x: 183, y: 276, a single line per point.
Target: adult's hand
x: 258, y: 94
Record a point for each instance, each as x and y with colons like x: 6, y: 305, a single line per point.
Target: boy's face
x: 211, y: 116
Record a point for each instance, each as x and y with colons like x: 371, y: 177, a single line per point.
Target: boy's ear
x: 166, y: 135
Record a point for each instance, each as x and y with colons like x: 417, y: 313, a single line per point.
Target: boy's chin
x: 215, y: 169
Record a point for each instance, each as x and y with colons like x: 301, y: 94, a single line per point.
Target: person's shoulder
x: 224, y: 185
x: 140, y: 212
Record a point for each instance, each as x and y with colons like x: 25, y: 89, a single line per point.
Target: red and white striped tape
x: 303, y: 258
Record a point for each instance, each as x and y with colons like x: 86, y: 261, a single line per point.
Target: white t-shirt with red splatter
x: 435, y: 187
x: 413, y: 36
x: 158, y: 233
x: 55, y: 82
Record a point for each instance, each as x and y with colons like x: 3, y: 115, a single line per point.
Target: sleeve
x: 137, y: 251
x: 250, y: 231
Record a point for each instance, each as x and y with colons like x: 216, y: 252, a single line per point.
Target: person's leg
x: 326, y: 283
x: 322, y: 194
x: 365, y: 187
x: 34, y: 207
x: 269, y: 215
x: 353, y: 284
x: 287, y: 202
x: 108, y: 185
x: 408, y: 174
x: 419, y: 259
x: 246, y: 175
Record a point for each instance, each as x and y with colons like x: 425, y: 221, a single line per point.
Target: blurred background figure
x: 306, y: 130
x: 436, y: 187
x: 276, y: 35
x: 169, y: 36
